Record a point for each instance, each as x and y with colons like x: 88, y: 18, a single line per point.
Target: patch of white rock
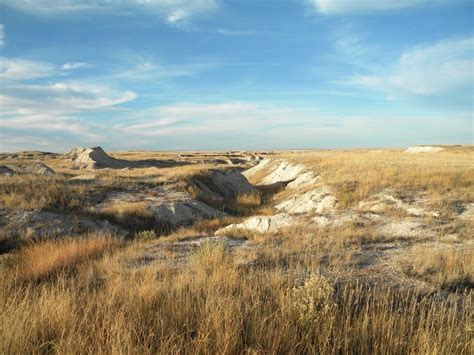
x: 310, y: 202
x: 423, y: 149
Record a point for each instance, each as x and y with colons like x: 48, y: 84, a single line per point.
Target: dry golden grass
x: 215, y: 307
x: 209, y: 226
x: 124, y: 209
x: 447, y: 267
x: 40, y: 192
x: 41, y: 260
x: 245, y: 204
x: 446, y: 178
x: 301, y: 290
x: 201, y: 228
x: 159, y: 174
x: 249, y: 199
x: 133, y: 216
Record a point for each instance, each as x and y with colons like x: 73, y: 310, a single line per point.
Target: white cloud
x: 174, y: 12
x: 17, y: 69
x: 86, y: 96
x: 225, y: 125
x: 439, y: 68
x: 53, y: 107
x: 144, y: 69
x: 347, y: 6
x: 22, y: 69
x: 239, y: 118
x: 249, y: 125
x: 76, y: 65
x: 2, y: 35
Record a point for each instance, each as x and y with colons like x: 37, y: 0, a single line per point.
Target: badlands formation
x: 348, y: 251
x: 307, y: 200
x: 166, y: 205
x: 97, y: 158
x: 257, y: 192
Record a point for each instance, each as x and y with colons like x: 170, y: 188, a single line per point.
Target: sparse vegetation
x: 41, y: 192
x: 446, y: 267
x: 445, y: 178
x: 306, y: 288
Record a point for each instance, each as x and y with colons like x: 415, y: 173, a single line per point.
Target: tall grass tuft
x: 43, y: 259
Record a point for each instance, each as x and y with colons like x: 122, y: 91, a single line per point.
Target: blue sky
x: 217, y: 74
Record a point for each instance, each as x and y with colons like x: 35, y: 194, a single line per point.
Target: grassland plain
x: 352, y: 287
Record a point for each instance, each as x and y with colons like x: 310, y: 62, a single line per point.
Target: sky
x: 235, y: 74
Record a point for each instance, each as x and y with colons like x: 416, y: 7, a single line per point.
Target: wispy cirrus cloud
x: 23, y: 69
x: 14, y: 69
x: 146, y: 69
x: 330, y: 7
x: 76, y: 65
x: 251, y: 125
x: 439, y: 68
x: 52, y: 106
x: 177, y: 13
x: 235, y: 125
x: 230, y: 117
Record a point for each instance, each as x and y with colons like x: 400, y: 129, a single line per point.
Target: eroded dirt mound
x: 33, y: 169
x: 303, y: 180
x: 274, y: 171
x: 172, y: 204
x: 30, y: 224
x: 231, y: 183
x: 259, y: 168
x: 183, y: 212
x: 26, y: 155
x: 36, y: 169
x: 217, y: 186
x: 261, y: 224
x: 317, y: 200
x: 306, y: 199
x: 95, y: 158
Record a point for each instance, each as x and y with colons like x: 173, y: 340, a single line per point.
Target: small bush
x: 312, y: 301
